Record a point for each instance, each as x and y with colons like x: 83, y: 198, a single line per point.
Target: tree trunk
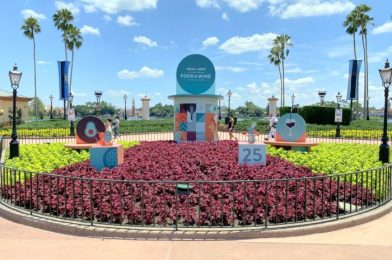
x: 283, y: 82
x: 355, y: 47
x: 35, y: 83
x: 364, y: 78
x: 280, y: 79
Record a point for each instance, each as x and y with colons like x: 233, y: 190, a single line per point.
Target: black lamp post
x: 338, y: 100
x: 51, y: 106
x: 15, y: 76
x: 229, y: 96
x: 322, y: 94
x: 386, y: 77
x: 71, y: 127
x: 98, y: 94
x: 125, y: 106
x: 292, y: 102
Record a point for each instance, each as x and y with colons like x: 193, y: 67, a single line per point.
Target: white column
x: 272, y: 106
x: 146, y: 107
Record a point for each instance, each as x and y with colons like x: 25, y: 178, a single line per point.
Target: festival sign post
x: 195, y: 102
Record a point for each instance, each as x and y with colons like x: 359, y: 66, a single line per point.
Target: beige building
x: 6, y: 106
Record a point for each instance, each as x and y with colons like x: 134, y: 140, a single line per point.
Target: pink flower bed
x: 127, y: 199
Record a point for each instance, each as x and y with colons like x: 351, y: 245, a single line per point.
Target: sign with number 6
x: 252, y: 154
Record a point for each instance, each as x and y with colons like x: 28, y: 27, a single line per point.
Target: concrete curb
x: 118, y: 232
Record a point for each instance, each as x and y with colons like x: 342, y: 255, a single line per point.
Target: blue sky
x: 134, y: 47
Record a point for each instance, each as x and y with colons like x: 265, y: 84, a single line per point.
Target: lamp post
x: 322, y: 94
x: 125, y: 106
x: 71, y: 127
x: 229, y: 96
x: 98, y: 94
x: 386, y: 77
x: 15, y: 76
x: 292, y: 102
x: 338, y: 100
x: 51, y: 106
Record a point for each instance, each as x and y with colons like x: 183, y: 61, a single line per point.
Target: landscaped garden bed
x: 221, y: 192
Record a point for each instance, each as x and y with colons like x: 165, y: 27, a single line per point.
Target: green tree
x: 62, y: 20
x: 37, y: 103
x: 249, y: 110
x: 281, y: 44
x: 351, y: 26
x: 160, y: 110
x: 363, y: 20
x: 74, y: 40
x: 274, y: 58
x: 31, y: 27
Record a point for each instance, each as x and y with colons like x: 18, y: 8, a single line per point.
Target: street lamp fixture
x: 219, y: 109
x: 338, y: 100
x: 51, y: 106
x: 229, y: 96
x: 322, y: 94
x: 98, y: 94
x: 386, y: 78
x: 15, y: 77
x: 71, y: 127
x: 292, y: 102
x: 125, y: 106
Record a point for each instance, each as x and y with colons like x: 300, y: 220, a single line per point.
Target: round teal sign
x: 195, y: 74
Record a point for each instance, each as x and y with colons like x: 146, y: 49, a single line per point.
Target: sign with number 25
x: 252, y: 154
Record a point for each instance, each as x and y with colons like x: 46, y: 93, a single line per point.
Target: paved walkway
x: 372, y: 240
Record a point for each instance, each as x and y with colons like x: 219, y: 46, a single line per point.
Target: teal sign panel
x: 291, y: 127
x: 195, y: 74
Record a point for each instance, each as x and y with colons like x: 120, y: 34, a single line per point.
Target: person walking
x: 116, y: 127
x: 272, y: 128
x: 230, y: 126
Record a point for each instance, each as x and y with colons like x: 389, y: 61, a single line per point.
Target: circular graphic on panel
x: 195, y: 74
x: 291, y: 127
x: 110, y: 158
x: 88, y: 128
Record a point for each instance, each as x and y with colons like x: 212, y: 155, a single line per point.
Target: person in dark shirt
x: 230, y: 126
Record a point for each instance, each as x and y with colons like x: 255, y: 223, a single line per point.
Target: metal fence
x: 239, y: 204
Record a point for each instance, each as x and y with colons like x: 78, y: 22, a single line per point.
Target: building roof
x: 5, y: 93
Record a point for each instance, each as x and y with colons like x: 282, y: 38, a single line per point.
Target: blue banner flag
x: 63, y: 79
x: 353, y: 79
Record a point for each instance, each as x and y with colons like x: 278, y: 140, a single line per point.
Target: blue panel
x: 101, y: 157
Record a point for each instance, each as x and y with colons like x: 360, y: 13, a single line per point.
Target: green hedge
x: 319, y: 115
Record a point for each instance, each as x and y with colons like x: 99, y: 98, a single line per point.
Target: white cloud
x: 107, y: 18
x: 379, y: 57
x: 298, y: 82
x: 308, y: 8
x: 115, y: 6
x: 117, y: 93
x: 89, y: 9
x: 210, y: 41
x: 86, y: 29
x: 44, y: 62
x: 385, y: 28
x: 244, y: 5
x: 26, y: 13
x: 143, y: 40
x: 208, y: 3
x: 70, y: 6
x: 239, y: 5
x: 225, y: 17
x: 230, y: 68
x: 126, y: 20
x: 144, y: 72
x: 256, y: 42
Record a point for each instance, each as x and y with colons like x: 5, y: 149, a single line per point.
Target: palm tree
x: 73, y: 40
x: 282, y: 43
x: 351, y: 28
x: 363, y: 20
x: 62, y: 20
x: 274, y: 58
x: 30, y: 27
